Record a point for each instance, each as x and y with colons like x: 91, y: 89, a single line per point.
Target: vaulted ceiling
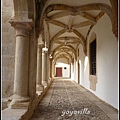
x: 67, y: 24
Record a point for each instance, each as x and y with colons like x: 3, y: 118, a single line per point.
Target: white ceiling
x: 80, y: 23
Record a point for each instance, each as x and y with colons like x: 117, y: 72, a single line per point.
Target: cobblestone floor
x: 66, y: 100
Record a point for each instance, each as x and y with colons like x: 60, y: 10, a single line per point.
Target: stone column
x: 39, y: 69
x: 51, y: 68
x: 54, y: 70
x: 32, y: 64
x: 70, y: 70
x: 20, y: 98
x: 44, y: 69
x: 48, y: 69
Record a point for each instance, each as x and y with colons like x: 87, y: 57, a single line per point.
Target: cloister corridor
x: 66, y: 100
x: 60, y: 60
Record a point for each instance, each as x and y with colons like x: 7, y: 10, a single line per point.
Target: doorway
x: 59, y: 72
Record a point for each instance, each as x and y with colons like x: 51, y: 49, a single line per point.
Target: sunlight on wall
x: 85, y: 63
x: 61, y: 64
x: 80, y: 62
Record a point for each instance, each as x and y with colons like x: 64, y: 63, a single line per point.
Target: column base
x: 45, y: 84
x: 49, y: 80
x: 39, y: 87
x: 18, y: 102
x: 13, y: 105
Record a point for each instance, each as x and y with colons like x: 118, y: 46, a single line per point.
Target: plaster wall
x: 76, y: 71
x: 62, y: 60
x: 72, y: 72
x: 66, y: 71
x: 107, y: 63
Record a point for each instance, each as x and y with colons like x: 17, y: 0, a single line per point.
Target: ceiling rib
x: 58, y: 15
x: 88, y: 19
x: 70, y: 22
x: 58, y: 23
x: 82, y: 24
x: 88, y: 16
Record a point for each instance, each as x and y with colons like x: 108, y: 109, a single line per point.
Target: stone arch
x: 63, y: 46
x: 94, y: 6
x: 62, y: 57
x: 68, y: 47
x: 92, y: 36
x: 55, y: 55
x: 81, y: 38
x: 111, y: 12
x: 56, y: 36
x: 24, y: 10
x: 114, y: 4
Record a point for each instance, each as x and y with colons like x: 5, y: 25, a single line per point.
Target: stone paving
x: 66, y: 100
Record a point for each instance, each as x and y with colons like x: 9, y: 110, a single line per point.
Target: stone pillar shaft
x: 32, y: 64
x: 70, y: 70
x: 44, y: 69
x: 53, y: 69
x: 21, y: 60
x: 39, y: 69
x: 21, y: 65
x: 50, y: 68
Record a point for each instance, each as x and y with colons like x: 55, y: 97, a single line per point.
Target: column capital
x: 45, y: 50
x: 40, y: 45
x: 22, y: 27
x: 38, y: 30
x: 25, y: 25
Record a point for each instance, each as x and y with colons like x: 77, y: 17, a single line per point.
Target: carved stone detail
x: 93, y: 82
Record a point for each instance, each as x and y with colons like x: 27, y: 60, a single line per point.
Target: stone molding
x: 38, y: 30
x: 115, y: 31
x: 21, y: 24
x: 40, y: 46
x: 93, y: 82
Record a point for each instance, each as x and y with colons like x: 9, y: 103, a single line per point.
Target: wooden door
x: 59, y: 72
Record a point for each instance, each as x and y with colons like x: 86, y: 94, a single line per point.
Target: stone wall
x: 8, y: 49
